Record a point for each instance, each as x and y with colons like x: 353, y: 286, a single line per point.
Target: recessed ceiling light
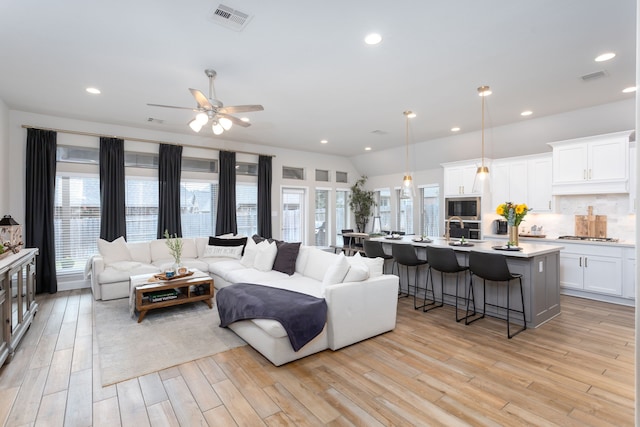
x: 605, y: 57
x: 526, y: 113
x: 93, y: 90
x: 367, y: 148
x: 323, y: 141
x: 373, y: 38
x: 245, y: 119
x: 629, y: 89
x: 455, y: 129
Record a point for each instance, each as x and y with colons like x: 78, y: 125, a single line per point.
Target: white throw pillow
x: 358, y: 270
x: 223, y: 251
x: 336, y: 271
x: 114, y: 251
x: 265, y: 256
x: 375, y: 266
x: 250, y: 252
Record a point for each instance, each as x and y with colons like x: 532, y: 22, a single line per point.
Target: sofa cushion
x: 265, y: 256
x: 114, y: 251
x: 140, y: 252
x: 301, y: 261
x: 286, y: 257
x: 375, y: 266
x: 336, y: 271
x: 317, y: 263
x: 211, y: 251
x: 271, y: 327
x: 189, y: 249
x: 222, y: 268
x: 300, y: 283
x: 358, y: 270
x: 159, y: 250
x: 113, y: 275
x: 251, y: 275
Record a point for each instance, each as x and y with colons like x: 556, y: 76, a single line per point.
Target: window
x: 247, y: 208
x: 322, y: 175
x: 429, y: 211
x: 342, y: 214
x: 199, y: 165
x: 322, y: 218
x: 405, y: 213
x: 383, y: 208
x: 84, y: 155
x: 293, y: 214
x: 141, y: 160
x: 141, y: 202
x: 342, y: 177
x: 249, y: 169
x: 198, y: 207
x: 292, y: 173
x: 76, y: 221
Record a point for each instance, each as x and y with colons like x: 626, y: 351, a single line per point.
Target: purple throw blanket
x: 301, y: 315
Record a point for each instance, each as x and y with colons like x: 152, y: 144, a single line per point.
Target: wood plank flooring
x: 576, y: 370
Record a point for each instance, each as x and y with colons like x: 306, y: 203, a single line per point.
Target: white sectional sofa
x: 361, y: 300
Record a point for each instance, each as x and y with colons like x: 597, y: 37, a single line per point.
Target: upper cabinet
x: 592, y: 165
x: 459, y: 178
x: 525, y: 179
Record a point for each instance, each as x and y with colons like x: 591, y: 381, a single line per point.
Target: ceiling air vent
x: 593, y: 76
x: 230, y: 17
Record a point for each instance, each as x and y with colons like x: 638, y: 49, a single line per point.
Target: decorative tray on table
x: 507, y: 248
x: 422, y: 240
x: 461, y: 244
x: 393, y: 237
x: 162, y: 276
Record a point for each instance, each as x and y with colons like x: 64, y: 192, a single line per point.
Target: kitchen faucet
x: 447, y: 232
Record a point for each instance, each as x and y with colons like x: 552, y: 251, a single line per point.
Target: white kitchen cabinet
x: 592, y: 165
x: 540, y: 185
x: 632, y: 177
x: 629, y: 273
x: 459, y: 178
x: 591, y: 268
x: 509, y: 181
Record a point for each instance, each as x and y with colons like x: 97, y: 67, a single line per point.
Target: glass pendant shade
x: 482, y: 173
x: 225, y: 123
x: 217, y: 128
x: 195, y: 126
x: 202, y: 118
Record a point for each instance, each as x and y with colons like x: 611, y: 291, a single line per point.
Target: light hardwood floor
x: 576, y: 370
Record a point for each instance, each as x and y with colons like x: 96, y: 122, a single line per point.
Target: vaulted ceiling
x: 307, y: 64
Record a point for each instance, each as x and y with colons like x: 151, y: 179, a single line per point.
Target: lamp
x: 483, y: 171
x: 407, y: 179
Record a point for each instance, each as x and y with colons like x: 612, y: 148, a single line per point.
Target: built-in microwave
x: 467, y: 208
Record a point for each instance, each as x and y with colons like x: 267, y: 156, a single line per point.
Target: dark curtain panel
x: 226, y: 217
x: 39, y: 205
x: 112, y: 189
x: 169, y: 167
x: 264, y: 196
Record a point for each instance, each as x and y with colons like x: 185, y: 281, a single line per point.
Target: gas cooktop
x: 589, y: 239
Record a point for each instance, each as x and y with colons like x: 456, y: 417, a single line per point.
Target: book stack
x: 163, y: 295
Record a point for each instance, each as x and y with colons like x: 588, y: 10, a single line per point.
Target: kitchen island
x: 538, y: 263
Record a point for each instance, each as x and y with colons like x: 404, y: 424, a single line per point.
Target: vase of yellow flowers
x: 514, y: 214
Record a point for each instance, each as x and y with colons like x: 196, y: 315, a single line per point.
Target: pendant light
x: 407, y: 180
x: 482, y: 173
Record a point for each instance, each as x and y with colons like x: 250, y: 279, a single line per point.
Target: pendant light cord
x: 482, y: 128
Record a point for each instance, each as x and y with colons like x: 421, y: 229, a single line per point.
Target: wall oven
x: 467, y: 208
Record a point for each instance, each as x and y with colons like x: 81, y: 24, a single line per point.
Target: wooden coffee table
x: 197, y: 287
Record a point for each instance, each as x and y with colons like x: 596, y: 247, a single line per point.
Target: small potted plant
x: 174, y: 243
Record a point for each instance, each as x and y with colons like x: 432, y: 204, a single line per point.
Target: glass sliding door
x: 405, y: 213
x: 293, y: 214
x: 322, y: 217
x: 342, y: 214
x: 430, y: 211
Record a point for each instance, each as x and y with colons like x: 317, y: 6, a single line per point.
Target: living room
x: 427, y: 151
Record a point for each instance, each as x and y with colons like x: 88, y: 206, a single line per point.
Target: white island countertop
x: 528, y: 249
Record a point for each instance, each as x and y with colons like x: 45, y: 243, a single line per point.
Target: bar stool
x: 445, y: 261
x: 405, y: 254
x: 373, y: 249
x: 494, y: 267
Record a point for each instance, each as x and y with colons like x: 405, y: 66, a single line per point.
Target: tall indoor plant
x: 361, y: 202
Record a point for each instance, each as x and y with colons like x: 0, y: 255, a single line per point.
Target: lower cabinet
x: 17, y: 299
x: 592, y: 269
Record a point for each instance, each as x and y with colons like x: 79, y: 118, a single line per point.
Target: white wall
x: 283, y: 157
x: 4, y: 159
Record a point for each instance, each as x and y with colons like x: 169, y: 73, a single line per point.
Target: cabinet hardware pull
x: 589, y: 173
x: 585, y: 262
x: 580, y: 262
x: 549, y: 204
x: 584, y: 174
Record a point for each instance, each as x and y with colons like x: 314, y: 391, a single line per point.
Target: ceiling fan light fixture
x: 195, y: 126
x: 217, y: 128
x: 202, y: 118
x: 225, y: 123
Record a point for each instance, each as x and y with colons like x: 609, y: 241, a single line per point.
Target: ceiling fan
x: 212, y: 110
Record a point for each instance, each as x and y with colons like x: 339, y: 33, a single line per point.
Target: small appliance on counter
x: 500, y: 226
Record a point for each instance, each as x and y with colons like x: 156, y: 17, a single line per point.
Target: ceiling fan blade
x: 202, y: 100
x: 235, y: 120
x: 240, y: 109
x: 172, y: 106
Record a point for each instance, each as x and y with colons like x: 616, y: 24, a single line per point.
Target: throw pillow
x: 358, y: 270
x: 114, y: 251
x: 227, y: 241
x: 286, y: 257
x: 265, y: 256
x: 223, y: 251
x: 250, y: 252
x: 375, y: 266
x: 337, y: 271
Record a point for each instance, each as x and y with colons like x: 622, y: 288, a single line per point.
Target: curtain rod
x: 76, y: 132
